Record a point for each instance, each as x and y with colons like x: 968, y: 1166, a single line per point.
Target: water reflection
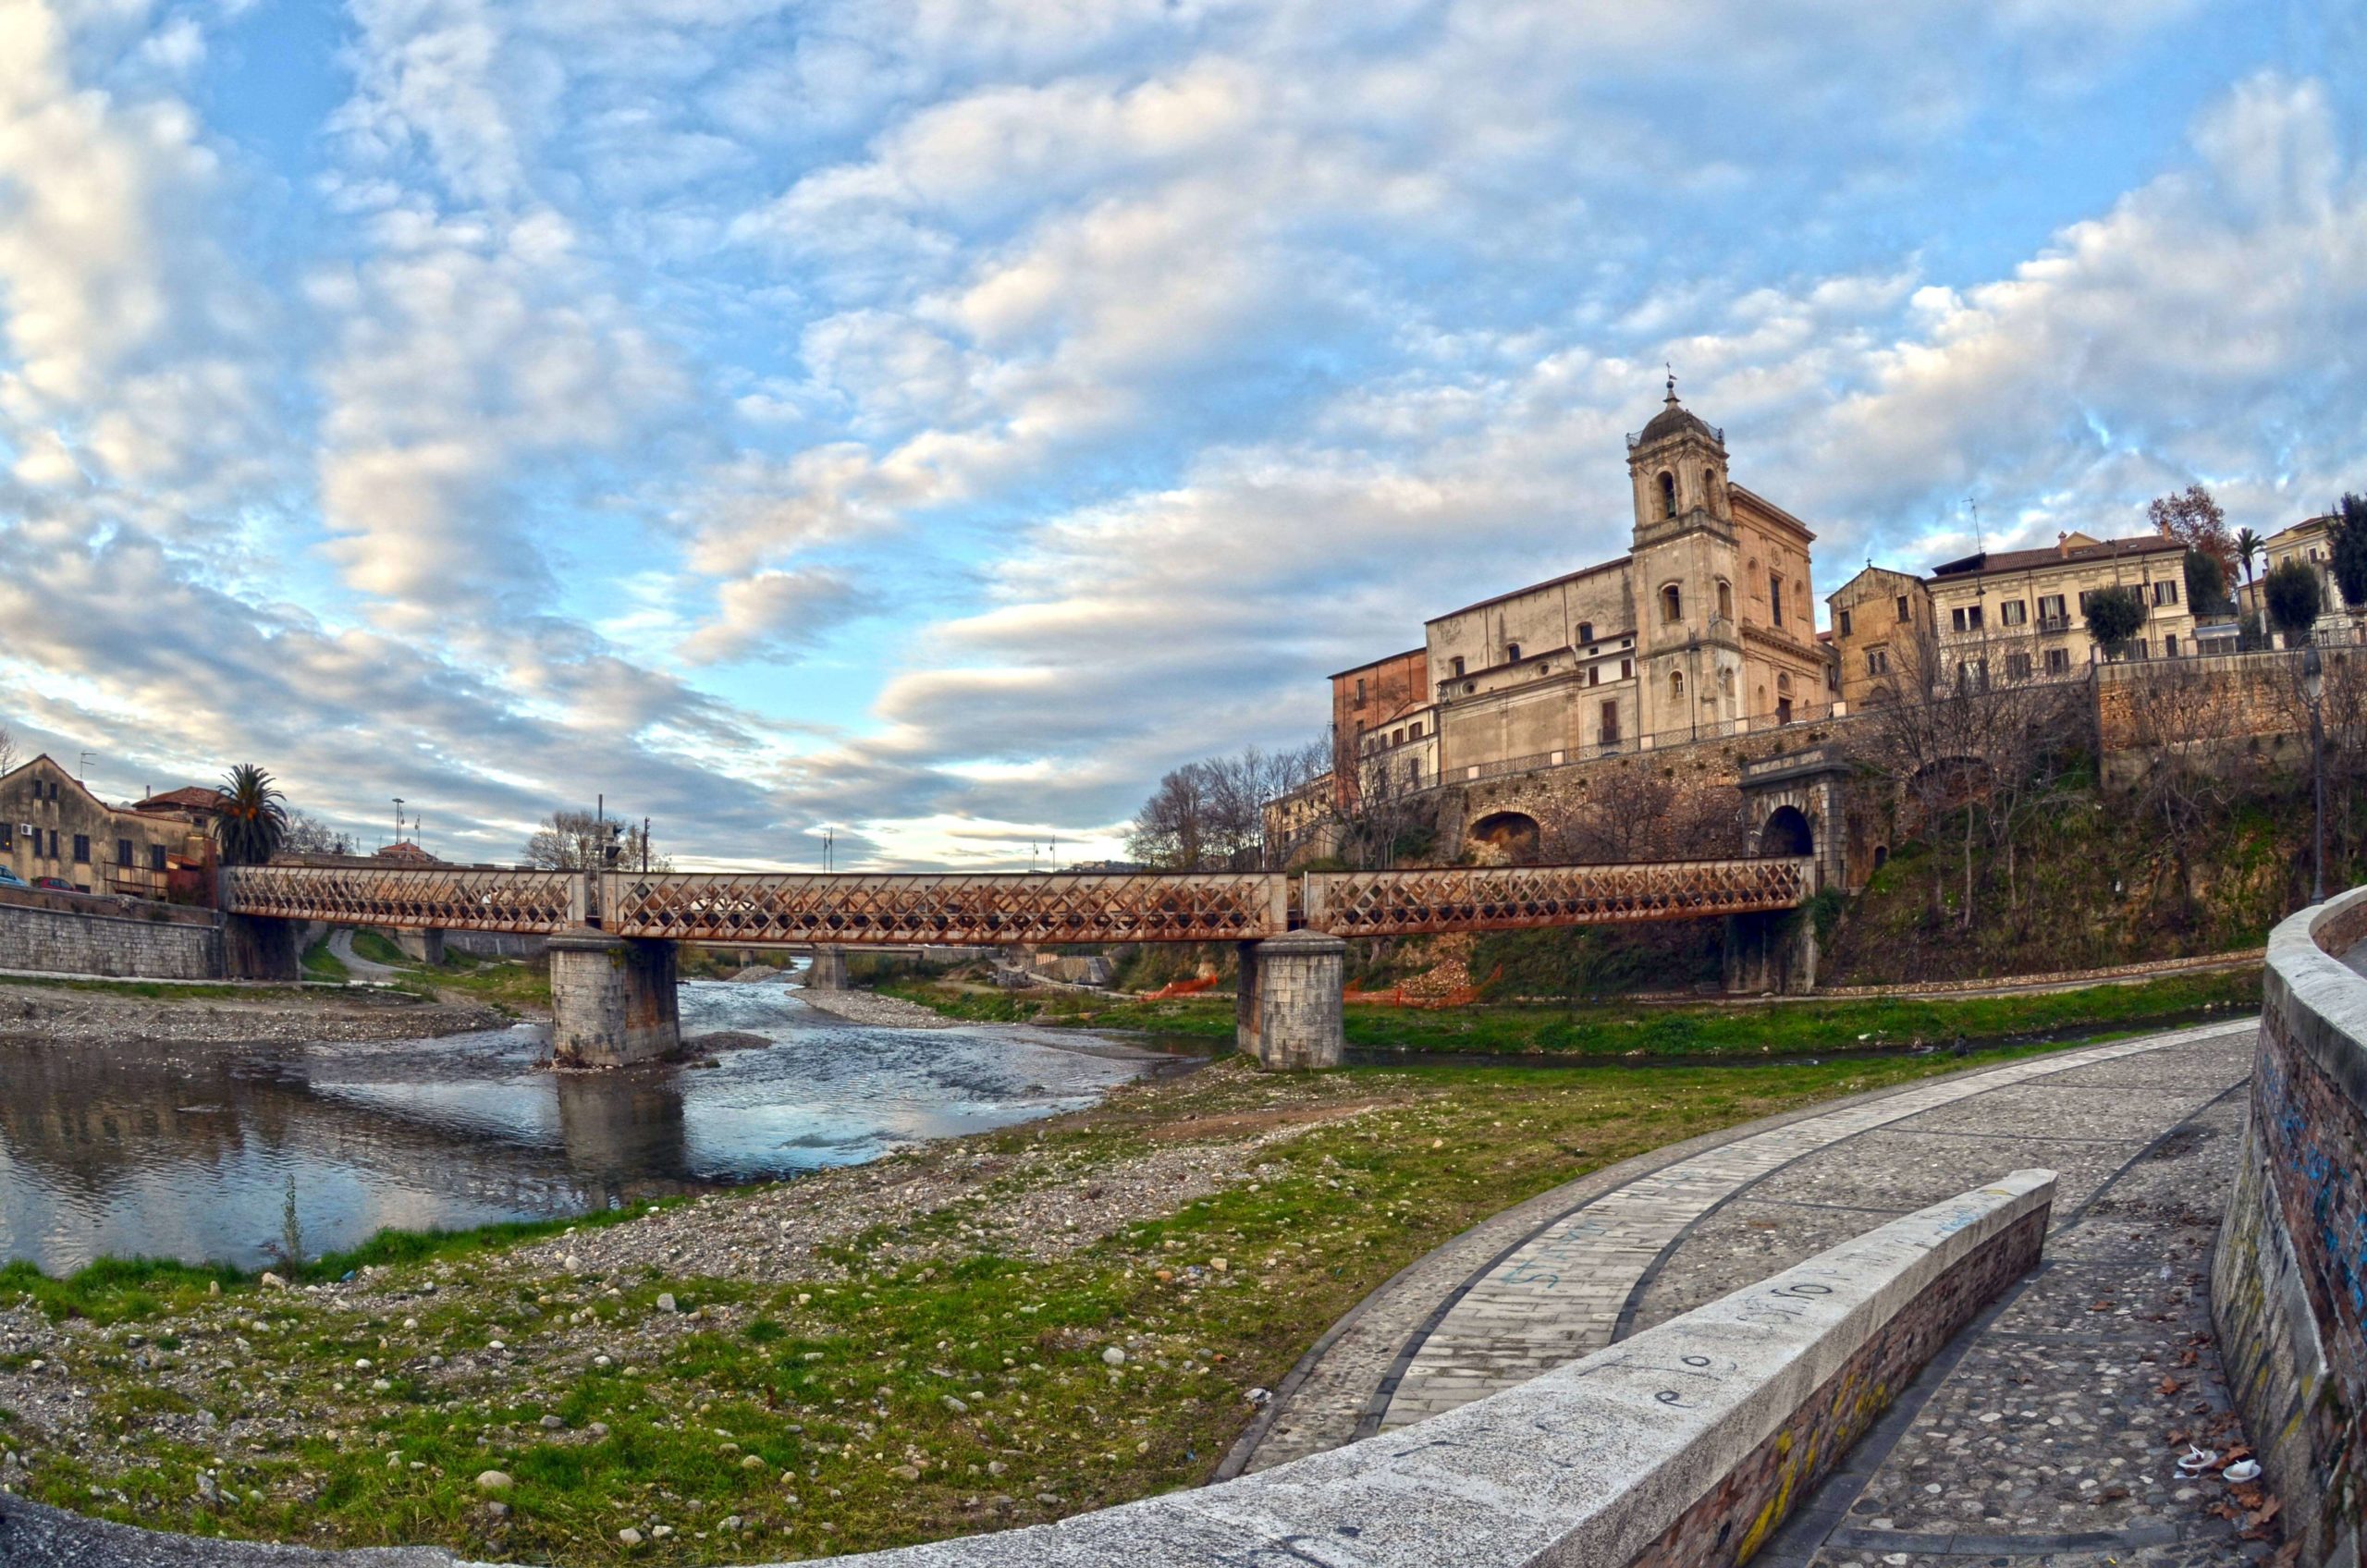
x: 186, y: 1151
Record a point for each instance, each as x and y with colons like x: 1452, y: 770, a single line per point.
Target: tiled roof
x: 188, y: 797
x: 1990, y: 561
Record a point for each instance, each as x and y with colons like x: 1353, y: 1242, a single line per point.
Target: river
x: 189, y: 1151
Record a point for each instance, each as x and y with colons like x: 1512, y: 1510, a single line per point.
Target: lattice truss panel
x: 1389, y: 903
x: 429, y: 898
x: 958, y: 911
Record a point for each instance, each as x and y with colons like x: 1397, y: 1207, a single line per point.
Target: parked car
x: 57, y: 883
x: 9, y: 879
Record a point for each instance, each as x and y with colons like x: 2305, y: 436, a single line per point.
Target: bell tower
x: 1687, y: 573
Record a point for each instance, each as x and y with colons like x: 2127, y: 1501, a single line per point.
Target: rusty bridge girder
x: 426, y: 898
x: 854, y: 910
x: 770, y: 909
x: 1512, y: 897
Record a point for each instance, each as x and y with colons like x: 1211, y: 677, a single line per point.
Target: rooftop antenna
x: 1980, y: 540
x: 83, y: 766
x: 398, y: 819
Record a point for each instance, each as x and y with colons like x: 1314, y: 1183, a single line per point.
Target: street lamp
x: 2313, y: 685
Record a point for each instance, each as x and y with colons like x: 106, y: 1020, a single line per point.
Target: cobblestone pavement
x: 2042, y: 1436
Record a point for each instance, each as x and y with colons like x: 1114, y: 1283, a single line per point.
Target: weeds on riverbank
x: 1070, y: 1315
x: 1742, y: 1030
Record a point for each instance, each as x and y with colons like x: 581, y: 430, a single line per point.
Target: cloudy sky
x: 934, y: 418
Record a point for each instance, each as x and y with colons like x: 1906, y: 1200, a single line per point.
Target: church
x: 1706, y: 628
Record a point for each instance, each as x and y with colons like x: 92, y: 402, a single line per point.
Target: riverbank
x: 93, y: 1011
x: 1620, y: 1030
x: 1000, y: 1329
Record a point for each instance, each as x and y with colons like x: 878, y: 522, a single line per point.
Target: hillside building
x: 2006, y: 615
x: 1705, y: 627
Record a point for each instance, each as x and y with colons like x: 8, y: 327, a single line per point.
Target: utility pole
x: 398, y: 819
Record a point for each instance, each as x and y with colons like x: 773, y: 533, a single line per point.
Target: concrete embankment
x: 2289, y: 1286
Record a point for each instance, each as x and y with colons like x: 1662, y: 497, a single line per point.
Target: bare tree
x: 1212, y: 813
x: 1971, y: 725
x: 7, y: 750
x: 1650, y: 818
x: 579, y: 840
x: 308, y: 835
x: 1389, y: 809
x: 2185, y: 728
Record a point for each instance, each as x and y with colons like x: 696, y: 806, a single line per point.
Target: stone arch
x: 1514, y: 834
x: 1788, y: 833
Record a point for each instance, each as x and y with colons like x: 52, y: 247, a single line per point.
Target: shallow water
x: 187, y: 1151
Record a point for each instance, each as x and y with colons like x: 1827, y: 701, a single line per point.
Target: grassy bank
x: 1791, y: 1028
x: 878, y: 1355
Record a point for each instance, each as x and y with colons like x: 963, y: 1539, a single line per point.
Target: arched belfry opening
x: 1668, y: 494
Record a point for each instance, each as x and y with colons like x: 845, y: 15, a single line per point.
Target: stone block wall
x: 2288, y: 1284
x: 64, y: 934
x: 1685, y: 1444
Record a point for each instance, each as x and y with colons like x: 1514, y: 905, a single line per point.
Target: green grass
x: 503, y: 982
x: 835, y: 1374
x: 1788, y: 1028
x: 378, y: 947
x: 154, y: 989
x: 321, y: 965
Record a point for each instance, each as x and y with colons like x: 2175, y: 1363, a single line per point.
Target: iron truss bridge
x: 762, y: 909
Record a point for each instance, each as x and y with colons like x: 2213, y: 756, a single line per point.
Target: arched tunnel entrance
x: 1788, y: 833
x: 1513, y: 834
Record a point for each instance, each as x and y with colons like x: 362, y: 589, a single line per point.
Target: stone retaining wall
x: 1685, y: 1444
x: 92, y: 934
x: 2288, y: 1284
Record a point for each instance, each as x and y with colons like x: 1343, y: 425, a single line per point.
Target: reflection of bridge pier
x: 616, y: 1129
x: 613, y: 934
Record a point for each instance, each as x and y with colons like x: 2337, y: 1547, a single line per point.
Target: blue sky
x: 935, y: 418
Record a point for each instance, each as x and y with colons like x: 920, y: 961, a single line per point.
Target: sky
x: 929, y: 421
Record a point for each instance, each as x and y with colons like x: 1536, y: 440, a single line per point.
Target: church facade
x: 1704, y: 629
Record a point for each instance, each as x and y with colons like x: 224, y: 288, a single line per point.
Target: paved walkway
x: 2044, y: 1436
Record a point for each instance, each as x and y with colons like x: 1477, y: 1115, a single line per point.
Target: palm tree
x: 253, y: 819
x: 2249, y: 546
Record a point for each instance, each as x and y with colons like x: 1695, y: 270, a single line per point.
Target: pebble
x: 273, y: 1283
x: 752, y: 1462
x: 553, y: 1424
x: 628, y: 1535
x: 665, y: 1301
x: 956, y: 1407
x: 598, y: 1428
x: 493, y: 1481
x: 1113, y: 1357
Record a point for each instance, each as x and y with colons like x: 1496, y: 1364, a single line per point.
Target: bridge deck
x: 761, y: 909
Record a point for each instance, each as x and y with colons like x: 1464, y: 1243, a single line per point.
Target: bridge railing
x: 1006, y: 907
x: 1509, y: 898
x: 431, y: 898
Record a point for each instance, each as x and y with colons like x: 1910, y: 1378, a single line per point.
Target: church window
x: 1844, y: 623
x: 1585, y: 632
x: 1676, y: 683
x: 1360, y: 692
x: 1783, y: 683
x: 1726, y: 682
x: 1609, y: 733
x: 1397, y: 737
x: 1668, y: 494
x: 1671, y: 605
x: 1902, y: 610
x: 1415, y: 730
x: 1455, y: 665
x: 1512, y: 653
x: 1725, y: 600
x: 1775, y: 598
x: 1627, y: 668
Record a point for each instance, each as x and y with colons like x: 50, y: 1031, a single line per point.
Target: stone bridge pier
x: 613, y: 1001
x: 827, y: 970
x: 421, y: 947
x: 1289, y: 1012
